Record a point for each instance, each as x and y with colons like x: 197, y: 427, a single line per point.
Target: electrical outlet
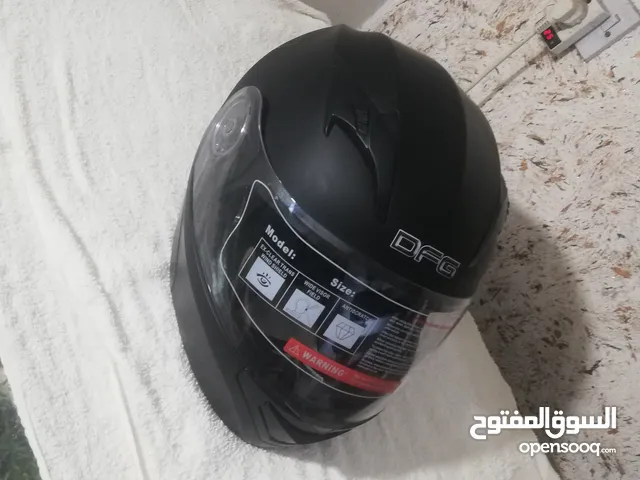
x: 624, y: 18
x: 559, y: 39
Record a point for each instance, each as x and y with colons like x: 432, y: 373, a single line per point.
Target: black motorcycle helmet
x: 342, y: 207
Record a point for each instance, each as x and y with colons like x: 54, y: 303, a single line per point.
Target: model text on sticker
x: 289, y: 252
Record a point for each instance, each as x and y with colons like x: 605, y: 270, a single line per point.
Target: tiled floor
x: 16, y: 459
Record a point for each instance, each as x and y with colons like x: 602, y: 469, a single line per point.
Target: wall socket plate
x: 624, y: 17
x: 560, y: 40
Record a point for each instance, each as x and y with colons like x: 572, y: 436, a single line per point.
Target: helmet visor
x: 344, y: 322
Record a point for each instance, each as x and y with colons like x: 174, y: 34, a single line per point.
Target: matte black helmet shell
x: 342, y: 207
x: 370, y: 136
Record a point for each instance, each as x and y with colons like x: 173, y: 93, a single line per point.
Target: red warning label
x: 332, y: 369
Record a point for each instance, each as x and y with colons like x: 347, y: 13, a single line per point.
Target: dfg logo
x: 410, y: 246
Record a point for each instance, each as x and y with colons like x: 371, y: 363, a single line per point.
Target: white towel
x: 102, y: 106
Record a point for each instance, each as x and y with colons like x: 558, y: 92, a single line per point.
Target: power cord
x: 566, y: 16
x: 500, y: 61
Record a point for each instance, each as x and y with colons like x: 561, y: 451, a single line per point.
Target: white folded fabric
x: 102, y: 106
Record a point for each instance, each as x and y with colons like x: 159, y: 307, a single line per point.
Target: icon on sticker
x: 264, y: 279
x: 303, y: 308
x: 344, y: 331
x: 294, y: 351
